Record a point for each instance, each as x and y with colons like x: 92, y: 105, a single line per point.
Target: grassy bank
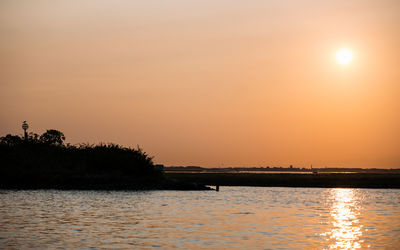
x: 336, y: 180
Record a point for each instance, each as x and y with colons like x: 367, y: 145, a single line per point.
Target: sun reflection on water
x: 346, y: 230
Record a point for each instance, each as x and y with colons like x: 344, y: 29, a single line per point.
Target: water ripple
x: 235, y: 217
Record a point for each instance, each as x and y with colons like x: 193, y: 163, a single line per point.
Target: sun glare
x: 344, y: 56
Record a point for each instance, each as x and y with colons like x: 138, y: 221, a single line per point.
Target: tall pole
x: 25, y: 126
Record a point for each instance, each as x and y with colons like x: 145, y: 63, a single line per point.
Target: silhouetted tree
x: 10, y: 140
x: 47, y: 161
x: 52, y: 136
x: 33, y: 137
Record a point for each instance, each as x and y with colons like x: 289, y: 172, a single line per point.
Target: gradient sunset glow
x: 209, y: 83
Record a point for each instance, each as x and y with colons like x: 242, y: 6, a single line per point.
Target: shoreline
x: 320, y: 180
x: 206, y: 181
x: 104, y: 184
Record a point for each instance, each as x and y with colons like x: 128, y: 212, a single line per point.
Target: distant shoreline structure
x: 277, y: 170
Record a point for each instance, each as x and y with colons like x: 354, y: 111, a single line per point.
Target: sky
x: 208, y: 83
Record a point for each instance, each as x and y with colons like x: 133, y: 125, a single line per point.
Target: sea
x: 233, y: 218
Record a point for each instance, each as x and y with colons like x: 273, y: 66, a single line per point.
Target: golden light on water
x: 346, y: 231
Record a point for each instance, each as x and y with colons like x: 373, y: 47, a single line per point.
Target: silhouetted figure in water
x: 217, y: 188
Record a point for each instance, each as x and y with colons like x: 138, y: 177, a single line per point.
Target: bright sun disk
x: 344, y: 56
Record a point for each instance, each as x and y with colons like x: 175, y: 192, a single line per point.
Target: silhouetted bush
x: 46, y: 159
x: 10, y: 140
x: 52, y: 136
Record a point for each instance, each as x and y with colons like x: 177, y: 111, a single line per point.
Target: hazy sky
x: 210, y: 83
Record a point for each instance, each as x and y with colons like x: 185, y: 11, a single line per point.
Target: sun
x: 344, y: 56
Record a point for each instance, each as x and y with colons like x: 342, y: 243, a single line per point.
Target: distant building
x: 25, y: 126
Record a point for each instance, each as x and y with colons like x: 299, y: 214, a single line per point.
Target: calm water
x: 235, y: 217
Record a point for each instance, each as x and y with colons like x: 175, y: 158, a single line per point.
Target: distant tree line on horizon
x: 276, y: 169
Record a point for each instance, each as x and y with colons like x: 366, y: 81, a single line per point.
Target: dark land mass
x: 290, y: 169
x: 326, y: 180
x: 45, y: 162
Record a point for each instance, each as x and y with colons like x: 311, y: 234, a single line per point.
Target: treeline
x: 46, y: 160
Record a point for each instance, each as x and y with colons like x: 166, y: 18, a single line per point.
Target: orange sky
x: 210, y: 83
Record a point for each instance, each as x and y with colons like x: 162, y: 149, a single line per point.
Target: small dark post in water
x: 217, y: 188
